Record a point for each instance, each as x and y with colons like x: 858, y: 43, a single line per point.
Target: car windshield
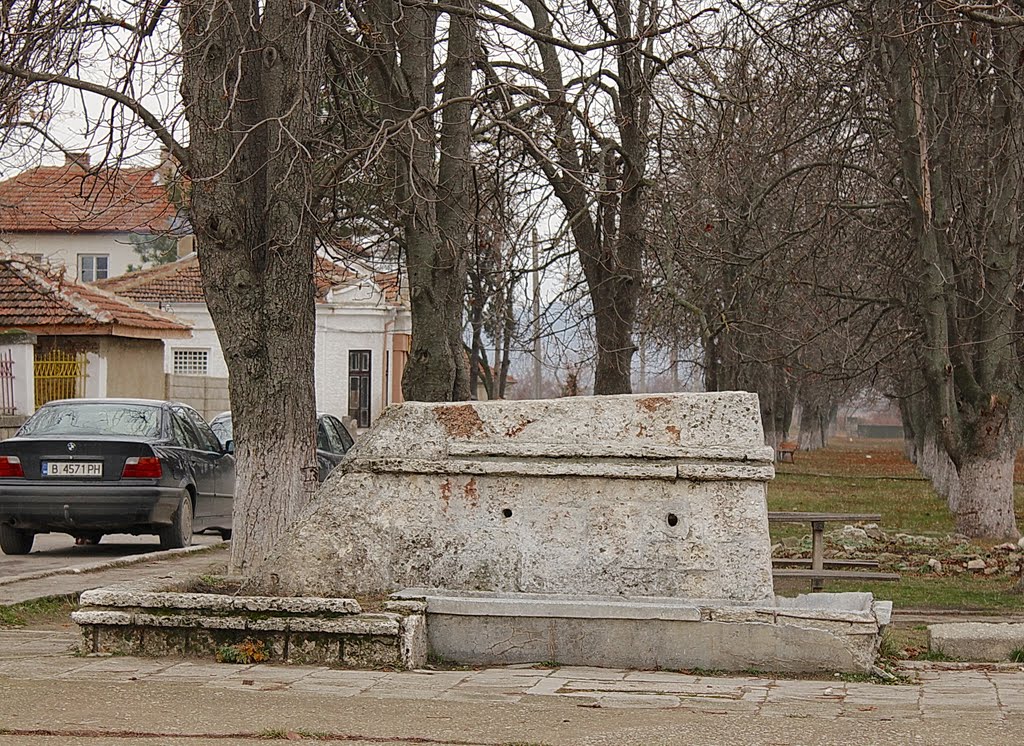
x: 94, y: 418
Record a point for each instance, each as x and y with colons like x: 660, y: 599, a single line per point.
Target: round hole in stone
x: 507, y: 512
x: 672, y: 519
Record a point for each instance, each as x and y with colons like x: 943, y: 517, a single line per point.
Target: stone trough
x: 815, y: 632
x: 978, y: 641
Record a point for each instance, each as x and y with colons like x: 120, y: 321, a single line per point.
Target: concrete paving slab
x: 492, y: 707
x: 637, y: 701
x: 550, y: 685
x: 659, y: 676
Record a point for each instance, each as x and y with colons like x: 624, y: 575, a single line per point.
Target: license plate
x: 72, y: 468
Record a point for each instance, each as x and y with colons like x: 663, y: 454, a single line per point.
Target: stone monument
x: 616, y: 530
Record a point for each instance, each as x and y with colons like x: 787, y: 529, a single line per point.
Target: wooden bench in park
x: 821, y: 569
x: 787, y: 448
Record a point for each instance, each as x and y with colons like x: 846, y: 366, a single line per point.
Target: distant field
x: 873, y: 476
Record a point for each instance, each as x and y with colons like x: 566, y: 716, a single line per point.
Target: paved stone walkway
x: 73, y: 580
x: 990, y: 696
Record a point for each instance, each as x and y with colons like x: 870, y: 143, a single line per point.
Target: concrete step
x: 977, y: 641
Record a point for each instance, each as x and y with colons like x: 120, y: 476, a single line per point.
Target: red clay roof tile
x: 40, y: 299
x: 175, y: 282
x: 71, y: 199
x: 180, y: 282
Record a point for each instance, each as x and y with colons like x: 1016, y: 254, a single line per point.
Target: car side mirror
x: 229, y: 447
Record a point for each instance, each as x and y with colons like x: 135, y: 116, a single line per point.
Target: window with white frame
x: 191, y: 362
x: 92, y: 267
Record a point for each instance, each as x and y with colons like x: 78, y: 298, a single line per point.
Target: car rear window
x: 100, y: 418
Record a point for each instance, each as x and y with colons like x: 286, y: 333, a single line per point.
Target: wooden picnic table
x: 818, y: 572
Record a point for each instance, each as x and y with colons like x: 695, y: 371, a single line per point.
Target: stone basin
x: 812, y: 632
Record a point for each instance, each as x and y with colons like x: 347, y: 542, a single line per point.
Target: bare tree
x: 250, y: 76
x: 758, y: 261
x: 585, y: 122
x: 953, y: 77
x: 430, y: 169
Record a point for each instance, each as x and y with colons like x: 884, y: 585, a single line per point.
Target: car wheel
x: 15, y: 541
x: 179, y: 533
x: 225, y: 534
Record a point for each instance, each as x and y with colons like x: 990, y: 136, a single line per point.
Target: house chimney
x: 186, y: 245
x: 76, y: 158
x: 166, y: 169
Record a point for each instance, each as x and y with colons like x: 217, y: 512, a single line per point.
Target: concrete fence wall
x: 208, y: 395
x: 19, y: 392
x: 9, y: 425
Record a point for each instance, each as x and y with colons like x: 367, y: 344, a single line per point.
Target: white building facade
x: 363, y: 329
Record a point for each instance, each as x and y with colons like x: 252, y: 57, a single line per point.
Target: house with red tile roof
x: 88, y: 219
x: 88, y: 342
x: 363, y: 330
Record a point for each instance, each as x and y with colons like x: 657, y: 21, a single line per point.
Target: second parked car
x: 332, y: 439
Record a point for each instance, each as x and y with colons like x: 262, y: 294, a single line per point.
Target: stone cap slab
x: 664, y: 436
x: 564, y: 607
x: 119, y: 597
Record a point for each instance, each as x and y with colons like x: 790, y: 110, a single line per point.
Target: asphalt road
x: 53, y: 551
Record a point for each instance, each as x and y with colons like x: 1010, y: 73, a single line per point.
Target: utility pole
x: 675, y: 364
x: 537, y: 367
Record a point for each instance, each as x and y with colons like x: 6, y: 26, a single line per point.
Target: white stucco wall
x: 22, y: 352
x: 64, y: 248
x: 360, y: 324
x: 204, y: 337
x: 338, y: 332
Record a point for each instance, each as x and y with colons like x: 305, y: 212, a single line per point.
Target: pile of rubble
x: 908, y: 554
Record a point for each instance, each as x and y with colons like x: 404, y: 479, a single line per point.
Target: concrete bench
x: 818, y: 573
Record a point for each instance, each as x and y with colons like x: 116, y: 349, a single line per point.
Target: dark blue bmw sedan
x: 88, y: 467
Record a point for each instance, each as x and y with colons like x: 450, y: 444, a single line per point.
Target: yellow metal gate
x: 59, y: 375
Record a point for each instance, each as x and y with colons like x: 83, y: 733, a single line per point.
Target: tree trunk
x: 250, y: 86
x: 985, y: 504
x: 432, y: 181
x: 910, y: 448
x: 812, y: 434
x: 614, y: 313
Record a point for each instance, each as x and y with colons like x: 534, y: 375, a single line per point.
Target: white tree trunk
x: 935, y: 464
x: 979, y: 513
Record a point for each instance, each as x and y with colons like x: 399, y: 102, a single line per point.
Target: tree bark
x: 250, y: 83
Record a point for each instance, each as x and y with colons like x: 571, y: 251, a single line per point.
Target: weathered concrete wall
x: 134, y: 367
x: 620, y: 495
x: 207, y: 395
